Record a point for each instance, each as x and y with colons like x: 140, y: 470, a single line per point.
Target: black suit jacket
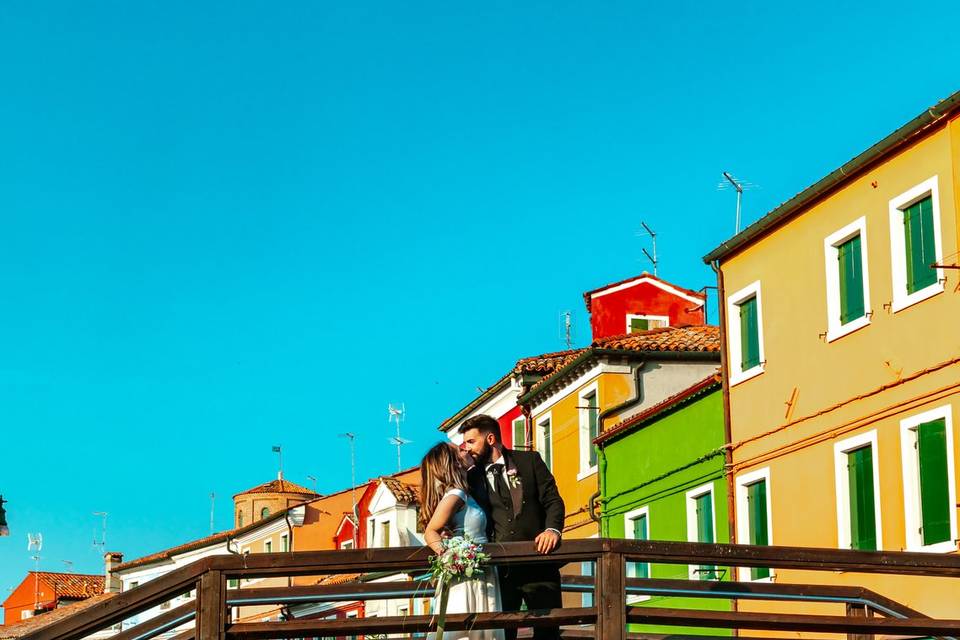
x: 540, y: 508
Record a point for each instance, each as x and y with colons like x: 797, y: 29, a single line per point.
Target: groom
x: 520, y: 497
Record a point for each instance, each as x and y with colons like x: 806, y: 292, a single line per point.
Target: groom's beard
x: 483, y: 456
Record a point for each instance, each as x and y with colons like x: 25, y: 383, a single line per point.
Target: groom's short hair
x: 482, y: 423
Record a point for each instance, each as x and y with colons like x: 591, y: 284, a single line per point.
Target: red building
x: 641, y: 303
x: 43, y: 591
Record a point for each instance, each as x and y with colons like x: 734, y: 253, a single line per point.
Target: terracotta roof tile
x: 279, y: 486
x: 680, y: 339
x: 339, y: 578
x: 710, y: 383
x: 403, y: 492
x: 72, y: 585
x: 18, y: 629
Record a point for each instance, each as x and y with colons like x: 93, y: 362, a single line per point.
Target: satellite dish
x: 34, y: 542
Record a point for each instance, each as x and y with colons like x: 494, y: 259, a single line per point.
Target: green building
x: 662, y: 478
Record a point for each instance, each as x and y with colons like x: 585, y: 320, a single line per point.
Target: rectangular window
x: 919, y: 245
x: 637, y: 323
x: 546, y: 442
x: 915, y: 244
x: 589, y: 416
x: 858, y: 504
x: 587, y: 569
x: 744, y: 319
x: 749, y: 335
x: 519, y: 433
x: 700, y: 527
x: 346, y: 544
x: 637, y: 527
x: 850, y: 268
x: 268, y: 546
x: 848, y: 294
x: 928, y: 473
x: 757, y: 521
x: 233, y: 583
x: 285, y: 543
x: 385, y: 533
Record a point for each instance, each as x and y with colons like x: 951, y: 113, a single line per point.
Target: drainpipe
x: 727, y: 430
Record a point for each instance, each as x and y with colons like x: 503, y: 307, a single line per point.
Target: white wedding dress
x: 478, y: 594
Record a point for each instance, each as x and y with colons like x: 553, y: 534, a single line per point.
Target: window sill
x: 902, y: 302
x: 939, y: 547
x: 586, y: 473
x: 836, y: 333
x: 742, y: 376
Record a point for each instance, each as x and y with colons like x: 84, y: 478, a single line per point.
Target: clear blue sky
x: 232, y: 225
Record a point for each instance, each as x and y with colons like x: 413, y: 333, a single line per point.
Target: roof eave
x: 919, y: 126
x: 497, y: 387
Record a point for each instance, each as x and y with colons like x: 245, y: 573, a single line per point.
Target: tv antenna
x: 278, y: 449
x: 213, y: 501
x: 647, y: 231
x: 102, y: 542
x: 352, y: 437
x: 35, y: 543
x: 566, y: 328
x: 313, y: 479
x: 739, y: 186
x: 68, y: 564
x: 398, y: 415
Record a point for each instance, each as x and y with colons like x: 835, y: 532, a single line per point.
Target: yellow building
x: 616, y: 377
x: 842, y: 361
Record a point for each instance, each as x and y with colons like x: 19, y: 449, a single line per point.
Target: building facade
x: 841, y: 359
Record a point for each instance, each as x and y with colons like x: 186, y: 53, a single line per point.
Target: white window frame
x: 840, y: 451
x: 346, y: 544
x: 831, y: 248
x: 743, y: 517
x: 911, y: 480
x: 738, y: 375
x: 901, y: 299
x: 628, y: 519
x: 541, y: 421
x: 268, y: 545
x: 631, y: 316
x: 284, y: 542
x: 513, y: 424
x: 583, y: 435
x: 692, y: 496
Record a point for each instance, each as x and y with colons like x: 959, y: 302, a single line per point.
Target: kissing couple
x: 493, y: 494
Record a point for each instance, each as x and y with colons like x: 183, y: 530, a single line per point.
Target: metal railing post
x: 211, y: 606
x: 610, y: 595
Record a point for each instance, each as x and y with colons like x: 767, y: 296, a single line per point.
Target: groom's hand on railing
x: 547, y: 541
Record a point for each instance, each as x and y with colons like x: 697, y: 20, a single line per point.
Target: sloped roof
x: 708, y: 384
x: 699, y: 339
x: 72, y: 585
x: 404, y: 493
x: 279, y: 486
x: 588, y: 296
x: 20, y: 628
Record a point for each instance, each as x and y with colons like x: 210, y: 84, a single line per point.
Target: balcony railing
x: 862, y: 612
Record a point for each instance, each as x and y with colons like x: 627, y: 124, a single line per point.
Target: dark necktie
x: 498, y: 484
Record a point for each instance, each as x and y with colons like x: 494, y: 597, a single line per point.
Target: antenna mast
x: 213, y: 497
x: 102, y: 543
x: 353, y: 485
x: 647, y: 231
x: 398, y: 415
x: 278, y: 449
x: 35, y: 543
x: 566, y: 328
x: 739, y: 188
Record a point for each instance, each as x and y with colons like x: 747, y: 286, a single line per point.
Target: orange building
x: 43, y: 591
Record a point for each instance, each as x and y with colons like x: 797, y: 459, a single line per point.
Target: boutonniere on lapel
x: 513, y: 479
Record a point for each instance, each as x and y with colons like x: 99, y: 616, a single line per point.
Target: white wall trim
x: 496, y: 406
x: 743, y: 516
x: 738, y: 375
x: 911, y: 480
x: 830, y: 250
x: 901, y: 299
x: 556, y: 394
x: 633, y: 283
x: 840, y: 450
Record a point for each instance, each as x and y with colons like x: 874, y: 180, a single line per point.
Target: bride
x: 446, y: 506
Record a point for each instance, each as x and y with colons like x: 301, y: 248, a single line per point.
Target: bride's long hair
x: 440, y: 471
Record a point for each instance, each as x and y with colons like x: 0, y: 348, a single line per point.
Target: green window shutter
x: 519, y: 433
x: 757, y: 519
x: 863, y: 523
x: 919, y: 244
x: 639, y: 324
x: 641, y: 532
x: 547, y: 446
x: 851, y: 280
x: 592, y: 421
x: 704, y: 507
x: 749, y: 335
x: 934, y: 487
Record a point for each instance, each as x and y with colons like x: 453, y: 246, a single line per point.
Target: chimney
x: 111, y: 583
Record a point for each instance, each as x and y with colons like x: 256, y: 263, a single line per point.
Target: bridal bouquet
x: 461, y: 559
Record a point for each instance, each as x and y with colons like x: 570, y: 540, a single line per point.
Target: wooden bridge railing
x: 866, y: 614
